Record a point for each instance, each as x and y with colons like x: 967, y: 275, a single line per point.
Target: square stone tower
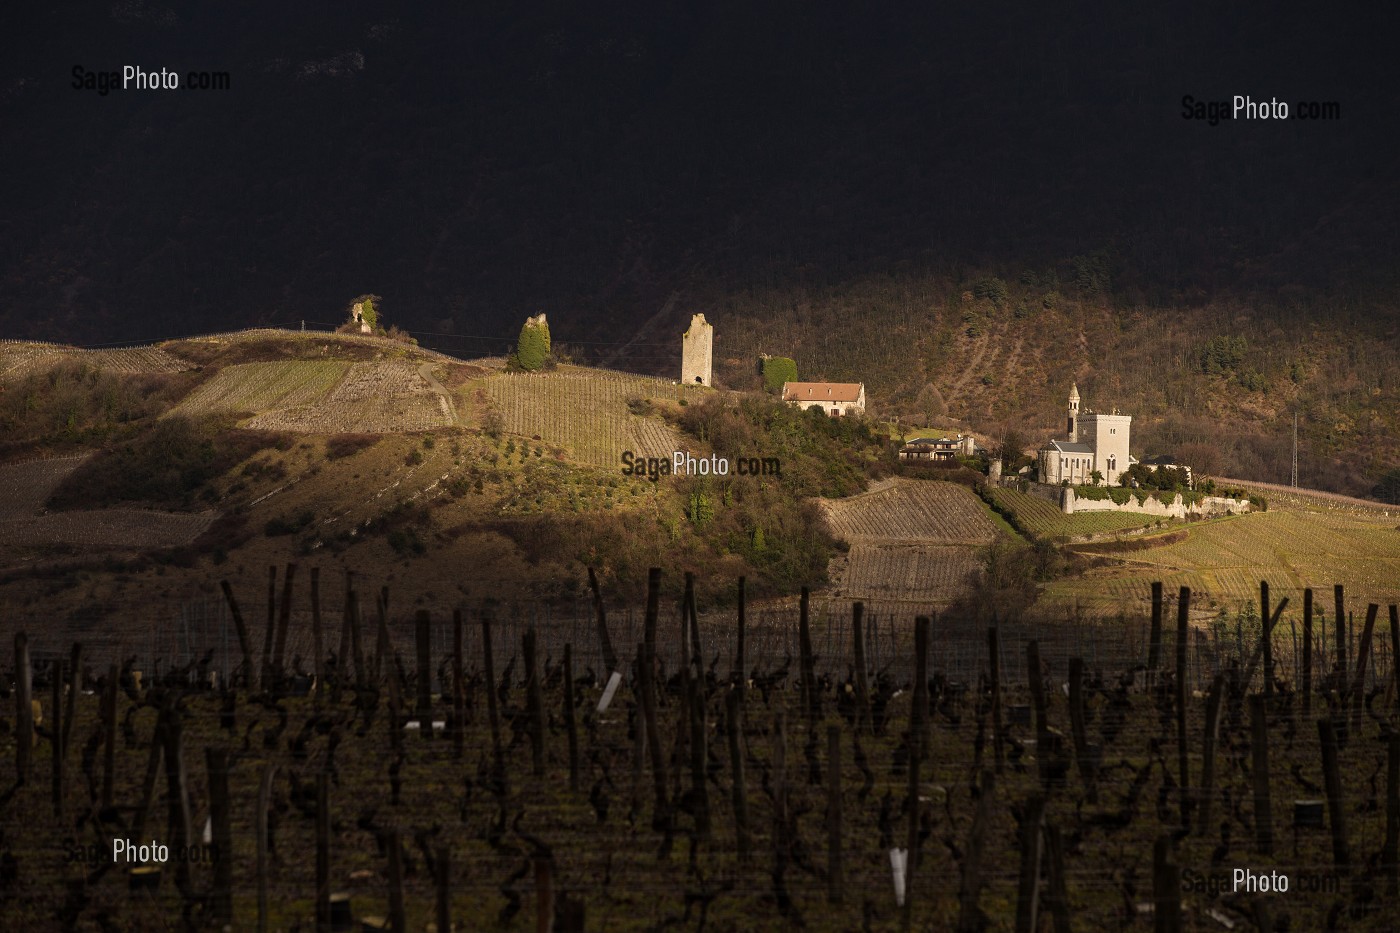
x: 697, y: 352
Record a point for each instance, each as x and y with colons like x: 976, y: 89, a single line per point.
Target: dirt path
x: 444, y: 397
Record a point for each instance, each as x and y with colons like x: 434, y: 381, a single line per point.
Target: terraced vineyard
x: 902, y: 573
x: 1224, y: 559
x: 912, y: 511
x: 24, y: 487
x: 107, y: 529
x: 19, y: 359
x: 373, y: 398
x: 584, y: 412
x: 258, y: 387
x: 1041, y: 518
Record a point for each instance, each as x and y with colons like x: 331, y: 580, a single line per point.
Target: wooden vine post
x: 1183, y: 628
x: 1154, y: 641
x: 1308, y: 651
x: 1363, y: 662
x: 221, y: 827
x: 323, y: 852
x: 834, y: 876
x: 284, y: 620
x: 733, y: 706
x: 1336, y: 802
x: 811, y: 700
x: 459, y: 690
x: 1028, y: 891
x: 862, y: 685
x: 56, y: 743
x: 534, y: 699
x: 422, y: 626
x: 250, y: 669
x: 1036, y: 679
x: 1087, y: 766
x: 994, y: 665
x: 1259, y: 747
x: 570, y: 723
x: 318, y: 647
x: 1268, y: 640
x: 739, y: 674
x: 1212, y: 733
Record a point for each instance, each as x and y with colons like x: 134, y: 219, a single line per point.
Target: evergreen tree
x: 533, y: 347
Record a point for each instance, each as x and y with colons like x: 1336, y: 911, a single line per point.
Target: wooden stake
x: 1390, y: 854
x: 394, y: 844
x: 1058, y: 899
x: 1268, y: 640
x: 604, y: 642
x: 863, y: 720
x: 970, y: 887
x: 1308, y: 651
x: 740, y: 670
x: 1154, y: 644
x: 1036, y: 679
x: 75, y: 686
x: 1166, y: 888
x: 919, y: 715
x: 56, y: 742
x: 569, y: 719
x: 220, y: 818
x: 269, y: 633
x: 1207, y: 796
x: 534, y: 699
x: 834, y: 877
x: 1339, y: 598
x: 459, y: 689
x: 1028, y: 891
x: 810, y: 699
x: 260, y: 829
x: 284, y: 621
x: 1087, y: 767
x: 493, y: 712
x: 323, y: 852
x: 423, y: 632
x: 994, y: 664
x: 109, y: 736
x: 734, y: 727
x: 442, y: 862
x: 544, y: 893
x: 1336, y: 802
x: 250, y: 669
x: 1363, y: 661
x: 318, y: 647
x: 24, y: 708
x: 1259, y: 746
x: 1183, y: 617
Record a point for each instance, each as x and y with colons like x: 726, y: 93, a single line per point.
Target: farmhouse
x: 1097, y: 442
x: 938, y: 449
x: 834, y: 398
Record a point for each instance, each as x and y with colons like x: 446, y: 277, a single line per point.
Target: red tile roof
x: 821, y: 391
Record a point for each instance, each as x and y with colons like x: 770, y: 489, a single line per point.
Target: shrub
x: 778, y: 370
x: 990, y: 287
x: 344, y: 445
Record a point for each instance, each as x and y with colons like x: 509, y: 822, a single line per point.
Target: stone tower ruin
x: 697, y: 351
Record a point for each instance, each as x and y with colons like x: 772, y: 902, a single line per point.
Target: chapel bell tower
x: 1072, y: 424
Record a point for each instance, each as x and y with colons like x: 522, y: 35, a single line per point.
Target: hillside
x: 1215, y: 383
x: 239, y: 451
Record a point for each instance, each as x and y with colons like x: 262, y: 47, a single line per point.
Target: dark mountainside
x: 790, y: 169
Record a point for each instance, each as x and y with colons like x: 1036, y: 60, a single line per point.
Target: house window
x: 1112, y: 430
